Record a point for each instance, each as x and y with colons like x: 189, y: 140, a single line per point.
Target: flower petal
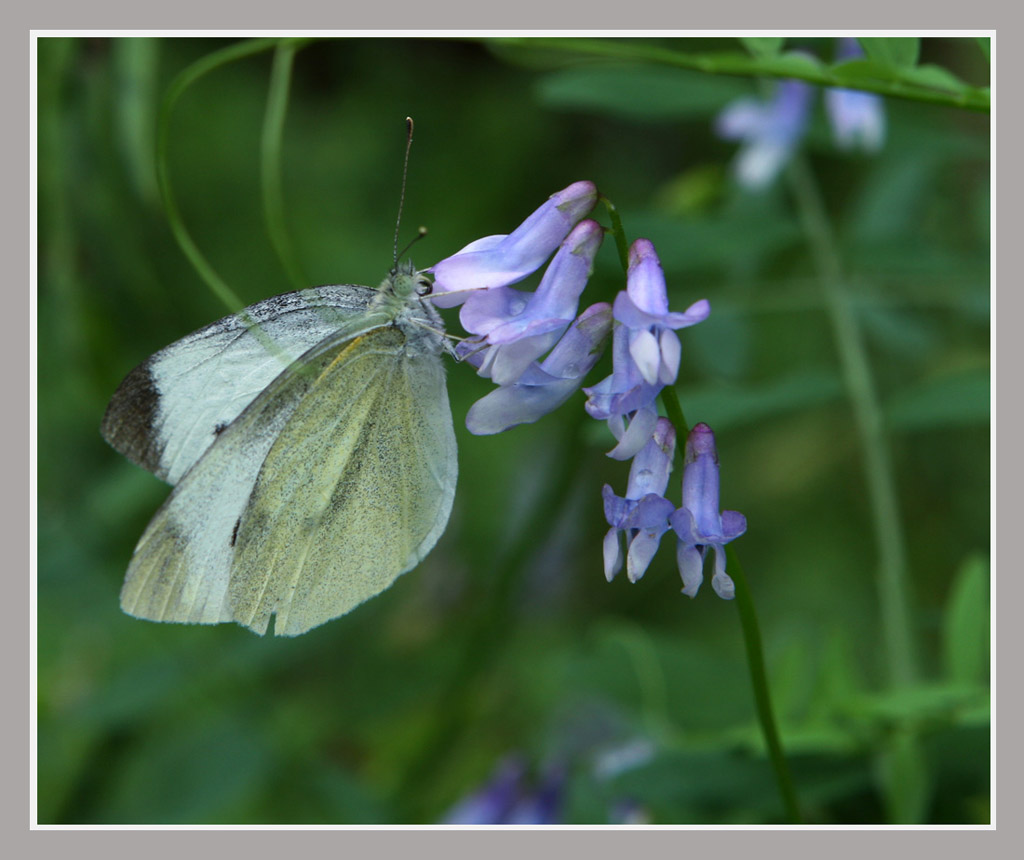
x: 612, y: 554
x: 511, y: 405
x: 691, y: 568
x: 733, y: 525
x: 483, y: 265
x: 643, y: 349
x: 639, y: 431
x: 652, y: 464
x: 670, y: 351
x: 641, y: 550
x: 645, y: 280
x: 721, y: 582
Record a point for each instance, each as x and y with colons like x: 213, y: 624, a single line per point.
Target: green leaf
x: 763, y: 46
x: 986, y: 46
x: 935, y: 77
x: 965, y: 633
x: 796, y: 64
x: 899, y: 51
x: 639, y: 92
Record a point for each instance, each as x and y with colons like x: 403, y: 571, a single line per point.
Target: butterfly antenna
x: 405, y: 173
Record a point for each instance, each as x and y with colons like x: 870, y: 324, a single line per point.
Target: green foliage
x: 507, y: 639
x: 899, y: 51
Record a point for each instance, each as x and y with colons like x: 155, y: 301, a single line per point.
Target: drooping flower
x: 508, y: 797
x: 698, y: 523
x: 497, y: 261
x: 643, y: 515
x: 545, y: 385
x: 857, y: 117
x: 769, y: 131
x: 514, y: 328
x: 645, y: 352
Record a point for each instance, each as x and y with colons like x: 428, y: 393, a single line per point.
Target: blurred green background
x: 507, y: 640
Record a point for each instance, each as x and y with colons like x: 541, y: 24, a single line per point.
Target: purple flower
x: 769, y: 131
x: 698, y: 522
x: 497, y: 261
x: 516, y: 328
x: 643, y: 515
x: 858, y: 118
x: 493, y: 802
x: 507, y: 799
x: 546, y: 385
x: 645, y: 351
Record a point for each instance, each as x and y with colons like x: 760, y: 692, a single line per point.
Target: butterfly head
x: 404, y: 282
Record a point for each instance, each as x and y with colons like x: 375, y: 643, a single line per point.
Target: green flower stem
x: 270, y: 162
x: 182, y: 82
x: 759, y: 681
x: 898, y: 83
x: 857, y: 376
x: 620, y: 234
x: 751, y: 640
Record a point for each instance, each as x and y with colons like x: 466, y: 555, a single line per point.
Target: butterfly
x: 310, y: 445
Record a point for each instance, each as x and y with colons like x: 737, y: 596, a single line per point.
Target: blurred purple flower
x: 645, y: 352
x: 770, y: 131
x: 497, y: 261
x: 858, y: 118
x: 546, y: 385
x: 698, y: 523
x: 643, y: 515
x: 507, y: 798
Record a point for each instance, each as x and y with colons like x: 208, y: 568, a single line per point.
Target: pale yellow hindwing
x: 354, y: 491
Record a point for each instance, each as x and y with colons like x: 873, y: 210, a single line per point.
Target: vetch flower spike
x: 698, y: 523
x: 545, y: 386
x: 643, y: 515
x: 497, y: 261
x: 518, y: 327
x: 645, y: 351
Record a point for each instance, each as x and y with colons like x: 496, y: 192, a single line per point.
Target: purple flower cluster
x: 513, y: 329
x: 771, y: 131
x: 537, y: 349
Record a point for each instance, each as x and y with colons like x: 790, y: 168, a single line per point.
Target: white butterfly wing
x: 354, y: 492
x: 280, y: 516
x: 171, y: 408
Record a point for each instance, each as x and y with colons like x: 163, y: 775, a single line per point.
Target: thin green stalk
x: 751, y: 640
x: 270, y: 162
x: 621, y: 244
x: 182, y: 82
x: 759, y: 681
x: 859, y: 381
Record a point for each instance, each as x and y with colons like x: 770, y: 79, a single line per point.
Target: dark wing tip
x: 129, y: 424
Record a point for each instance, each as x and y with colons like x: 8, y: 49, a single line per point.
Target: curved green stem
x: 270, y: 162
x: 751, y: 640
x: 860, y: 385
x: 182, y: 82
x: 759, y: 681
